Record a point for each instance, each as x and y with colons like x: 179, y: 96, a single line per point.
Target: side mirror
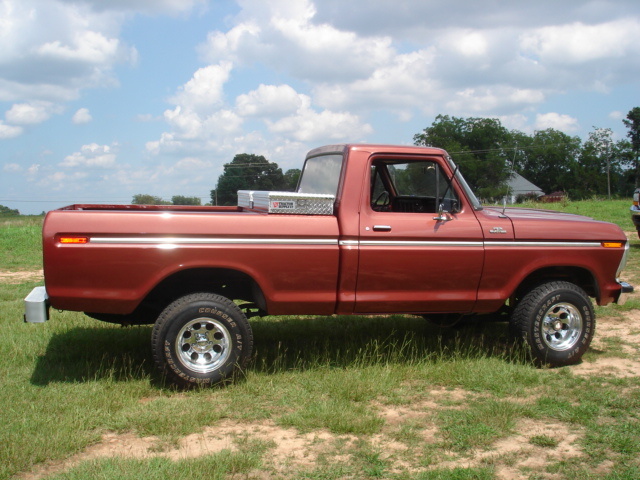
x: 443, y: 216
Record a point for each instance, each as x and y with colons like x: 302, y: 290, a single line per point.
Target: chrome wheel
x: 203, y: 344
x: 562, y: 326
x: 556, y: 321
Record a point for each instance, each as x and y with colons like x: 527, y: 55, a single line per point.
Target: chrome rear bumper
x: 36, y: 306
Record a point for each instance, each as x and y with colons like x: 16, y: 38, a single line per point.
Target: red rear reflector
x: 74, y: 240
x: 612, y: 244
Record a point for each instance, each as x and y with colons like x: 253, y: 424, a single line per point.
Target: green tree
x: 247, y: 172
x: 478, y: 145
x: 626, y: 182
x: 548, y: 158
x: 182, y: 200
x: 146, y: 199
x: 8, y: 212
x: 595, y: 167
x: 632, y: 122
x: 291, y: 178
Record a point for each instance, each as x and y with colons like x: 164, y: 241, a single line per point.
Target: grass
x: 364, y: 397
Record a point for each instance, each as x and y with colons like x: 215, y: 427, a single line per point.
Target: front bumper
x: 36, y: 306
x: 635, y: 217
x: 625, y: 291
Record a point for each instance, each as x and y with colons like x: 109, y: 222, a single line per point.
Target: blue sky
x: 100, y: 101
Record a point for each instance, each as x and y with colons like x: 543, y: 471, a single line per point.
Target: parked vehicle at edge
x: 372, y: 229
x: 635, y: 210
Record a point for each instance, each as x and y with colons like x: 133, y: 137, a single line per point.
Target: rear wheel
x: 557, y: 322
x: 201, y: 339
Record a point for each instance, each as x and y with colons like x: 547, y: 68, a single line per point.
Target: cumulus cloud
x: 53, y: 50
x: 31, y: 113
x: 92, y: 155
x: 205, y: 89
x: 343, y: 71
x: 9, y: 131
x: 269, y: 101
x: 146, y: 6
x: 579, y: 43
x: 81, y: 116
x: 12, y: 168
x: 307, y: 125
x: 557, y: 121
x: 283, y: 35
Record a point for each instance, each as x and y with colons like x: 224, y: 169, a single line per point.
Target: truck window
x: 321, y: 175
x: 409, y: 186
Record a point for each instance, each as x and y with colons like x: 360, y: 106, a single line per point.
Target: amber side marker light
x: 74, y: 240
x: 612, y: 244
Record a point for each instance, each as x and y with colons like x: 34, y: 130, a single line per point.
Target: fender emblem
x: 497, y: 230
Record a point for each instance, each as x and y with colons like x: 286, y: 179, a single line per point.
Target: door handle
x: 382, y: 228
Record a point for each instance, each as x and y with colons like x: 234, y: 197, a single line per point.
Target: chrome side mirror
x: 442, y: 216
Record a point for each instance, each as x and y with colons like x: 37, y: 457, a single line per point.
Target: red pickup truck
x: 372, y: 229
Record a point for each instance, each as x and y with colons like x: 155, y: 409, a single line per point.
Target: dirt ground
x: 292, y: 450
x: 15, y: 278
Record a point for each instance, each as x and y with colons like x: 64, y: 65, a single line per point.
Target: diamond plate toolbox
x: 287, y: 202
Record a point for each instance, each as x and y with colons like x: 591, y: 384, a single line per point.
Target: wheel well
x: 578, y: 276
x: 231, y: 284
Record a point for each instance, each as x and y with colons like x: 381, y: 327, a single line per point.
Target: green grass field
x: 323, y: 398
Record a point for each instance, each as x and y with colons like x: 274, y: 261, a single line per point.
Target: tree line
x: 488, y: 154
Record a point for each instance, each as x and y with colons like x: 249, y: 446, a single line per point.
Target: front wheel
x: 557, y: 322
x: 201, y: 339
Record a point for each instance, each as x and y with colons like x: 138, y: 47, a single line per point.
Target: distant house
x: 520, y: 186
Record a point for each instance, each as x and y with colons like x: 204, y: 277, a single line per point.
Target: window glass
x: 416, y: 186
x: 321, y: 175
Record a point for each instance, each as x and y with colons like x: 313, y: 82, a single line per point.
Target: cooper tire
x: 201, y: 339
x: 556, y: 321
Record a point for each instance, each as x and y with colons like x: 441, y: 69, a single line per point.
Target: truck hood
x: 535, y: 224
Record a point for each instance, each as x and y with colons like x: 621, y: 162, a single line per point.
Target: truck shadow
x: 94, y: 353
x: 286, y: 344
x: 280, y: 344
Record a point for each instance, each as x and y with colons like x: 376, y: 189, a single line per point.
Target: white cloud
x: 205, y: 89
x: 82, y: 116
x: 92, y: 155
x: 86, y: 47
x: 284, y: 36
x: 12, y: 168
x: 53, y: 50
x: 471, y: 43
x: 269, y: 101
x: 146, y: 6
x: 31, y: 113
x: 579, y: 43
x: 557, y: 121
x: 9, y: 131
x: 307, y: 125
x: 617, y: 115
x: 479, y: 101
x: 404, y: 82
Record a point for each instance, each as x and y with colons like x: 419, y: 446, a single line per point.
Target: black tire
x: 557, y: 322
x: 201, y: 339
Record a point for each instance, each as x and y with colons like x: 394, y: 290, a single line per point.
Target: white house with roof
x: 518, y: 185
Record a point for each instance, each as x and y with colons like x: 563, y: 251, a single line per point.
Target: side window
x: 410, y: 186
x: 380, y: 197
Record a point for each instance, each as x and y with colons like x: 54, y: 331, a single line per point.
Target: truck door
x: 411, y: 259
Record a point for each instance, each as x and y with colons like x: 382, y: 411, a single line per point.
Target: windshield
x: 470, y: 195
x: 321, y: 175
